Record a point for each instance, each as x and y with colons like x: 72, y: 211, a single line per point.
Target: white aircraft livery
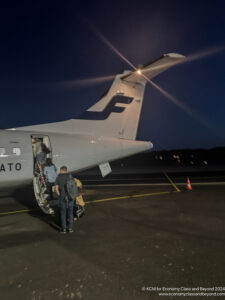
x: 105, y: 132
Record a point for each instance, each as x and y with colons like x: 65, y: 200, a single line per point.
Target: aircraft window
x: 2, y: 152
x: 16, y: 151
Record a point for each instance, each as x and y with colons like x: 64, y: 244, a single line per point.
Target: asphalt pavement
x: 132, y: 239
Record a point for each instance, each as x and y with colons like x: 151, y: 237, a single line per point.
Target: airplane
x: 104, y: 133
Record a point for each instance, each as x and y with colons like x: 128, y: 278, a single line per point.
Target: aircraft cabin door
x: 42, y: 150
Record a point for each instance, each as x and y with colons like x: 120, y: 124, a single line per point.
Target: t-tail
x: 117, y: 113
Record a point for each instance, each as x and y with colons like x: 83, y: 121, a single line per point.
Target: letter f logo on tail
x: 110, y: 108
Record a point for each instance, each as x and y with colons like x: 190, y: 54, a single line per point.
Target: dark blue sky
x: 45, y: 42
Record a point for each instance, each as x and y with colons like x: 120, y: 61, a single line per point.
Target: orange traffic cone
x: 189, y: 184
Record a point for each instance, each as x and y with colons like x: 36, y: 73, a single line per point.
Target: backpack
x: 71, y: 188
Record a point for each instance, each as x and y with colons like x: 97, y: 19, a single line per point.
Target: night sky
x: 44, y: 44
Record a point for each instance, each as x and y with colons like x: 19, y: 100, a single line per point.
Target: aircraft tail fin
x: 117, y: 113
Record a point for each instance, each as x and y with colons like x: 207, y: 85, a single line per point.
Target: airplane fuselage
x: 77, y: 152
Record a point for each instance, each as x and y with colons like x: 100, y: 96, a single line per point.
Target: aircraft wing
x: 154, y: 68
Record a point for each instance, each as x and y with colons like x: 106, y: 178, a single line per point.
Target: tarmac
x: 133, y: 240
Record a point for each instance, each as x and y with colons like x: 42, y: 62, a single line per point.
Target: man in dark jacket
x: 65, y: 201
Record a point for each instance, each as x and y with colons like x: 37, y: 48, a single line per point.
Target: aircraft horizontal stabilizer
x: 154, y: 68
